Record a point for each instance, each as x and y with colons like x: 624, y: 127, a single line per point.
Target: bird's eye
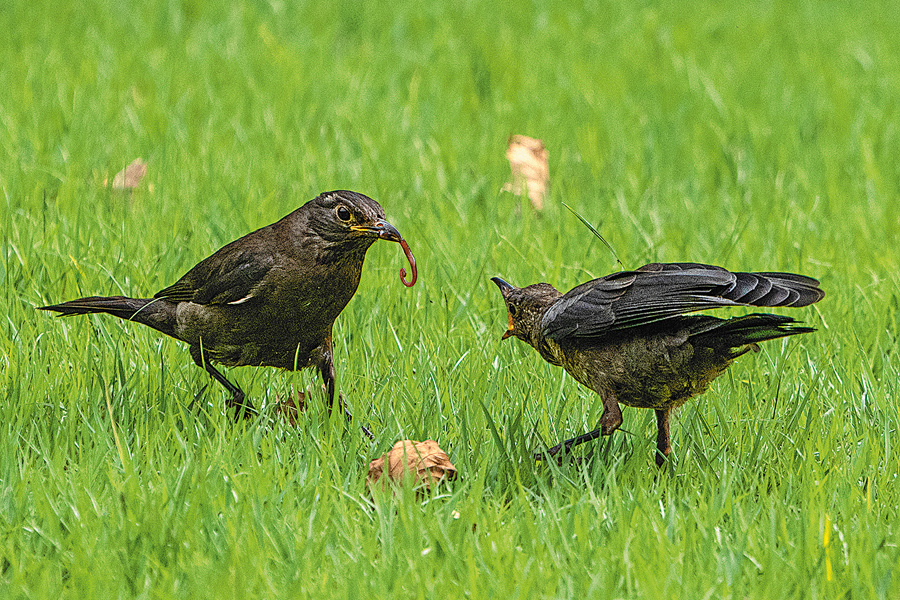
x: 343, y: 214
x: 512, y: 311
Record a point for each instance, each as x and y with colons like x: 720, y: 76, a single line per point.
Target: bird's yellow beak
x: 380, y: 229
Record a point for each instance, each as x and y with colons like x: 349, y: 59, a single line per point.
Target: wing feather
x: 661, y: 291
x: 227, y: 277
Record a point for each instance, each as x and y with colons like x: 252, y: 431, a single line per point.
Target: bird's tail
x: 742, y: 333
x: 157, y: 313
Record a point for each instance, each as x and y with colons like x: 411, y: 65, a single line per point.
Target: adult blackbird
x: 269, y: 298
x: 626, y: 335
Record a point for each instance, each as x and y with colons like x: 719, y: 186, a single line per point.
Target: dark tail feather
x: 156, y: 313
x: 120, y: 306
x: 740, y: 332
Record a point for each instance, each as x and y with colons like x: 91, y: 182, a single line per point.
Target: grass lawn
x: 754, y: 135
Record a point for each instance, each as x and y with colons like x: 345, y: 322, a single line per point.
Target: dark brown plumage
x: 627, y: 337
x: 269, y: 298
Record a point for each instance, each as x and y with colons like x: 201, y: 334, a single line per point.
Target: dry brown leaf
x: 425, y: 461
x: 129, y: 177
x: 290, y: 409
x: 530, y: 170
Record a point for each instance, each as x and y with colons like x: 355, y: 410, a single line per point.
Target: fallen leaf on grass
x: 289, y: 409
x: 425, y: 461
x: 530, y: 170
x: 129, y: 177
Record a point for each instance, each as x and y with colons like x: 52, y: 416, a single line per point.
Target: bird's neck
x: 343, y: 252
x: 548, y: 349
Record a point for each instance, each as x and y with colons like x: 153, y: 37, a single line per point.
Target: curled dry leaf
x: 129, y: 177
x: 289, y: 409
x: 424, y: 461
x: 530, y: 170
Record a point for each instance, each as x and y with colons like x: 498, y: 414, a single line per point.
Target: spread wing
x: 660, y: 291
x: 227, y: 277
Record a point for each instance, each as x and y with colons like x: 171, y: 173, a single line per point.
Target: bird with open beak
x: 628, y: 337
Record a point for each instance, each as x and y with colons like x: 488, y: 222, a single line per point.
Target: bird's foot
x: 563, y: 448
x: 243, y: 407
x: 349, y: 416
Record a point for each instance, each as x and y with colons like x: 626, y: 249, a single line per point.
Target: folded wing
x: 660, y: 291
x: 229, y: 276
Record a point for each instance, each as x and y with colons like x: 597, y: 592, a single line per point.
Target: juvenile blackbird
x: 626, y: 335
x: 269, y: 298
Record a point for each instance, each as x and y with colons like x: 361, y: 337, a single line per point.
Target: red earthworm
x: 412, y: 265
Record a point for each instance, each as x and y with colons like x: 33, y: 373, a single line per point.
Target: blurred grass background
x: 759, y: 135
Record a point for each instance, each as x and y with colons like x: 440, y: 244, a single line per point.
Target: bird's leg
x: 242, y: 405
x: 610, y: 420
x: 324, y: 359
x: 663, y: 443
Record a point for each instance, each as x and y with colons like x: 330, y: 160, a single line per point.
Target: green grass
x: 760, y: 135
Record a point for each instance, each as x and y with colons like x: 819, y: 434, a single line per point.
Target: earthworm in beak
x: 412, y: 265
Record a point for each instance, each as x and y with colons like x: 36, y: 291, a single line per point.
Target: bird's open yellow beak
x: 505, y: 289
x: 511, y: 331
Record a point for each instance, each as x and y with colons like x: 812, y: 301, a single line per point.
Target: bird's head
x: 525, y: 308
x: 349, y: 220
